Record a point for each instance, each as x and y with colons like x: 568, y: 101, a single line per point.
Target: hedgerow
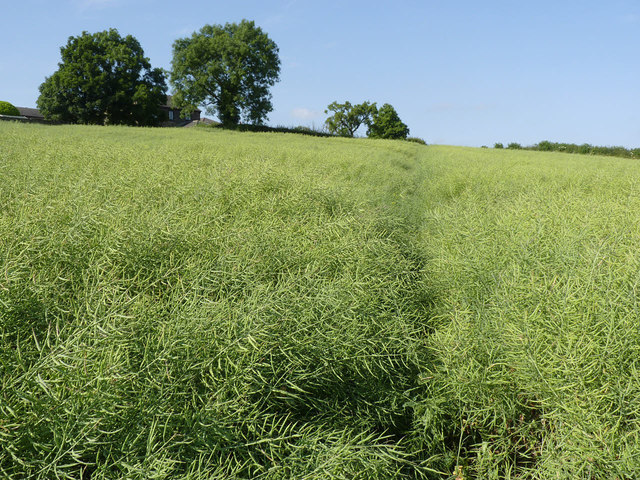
x: 8, y: 109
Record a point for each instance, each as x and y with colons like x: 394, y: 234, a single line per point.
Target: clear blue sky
x: 458, y: 72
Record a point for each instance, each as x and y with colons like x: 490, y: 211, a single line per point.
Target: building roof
x: 30, y: 112
x: 35, y: 113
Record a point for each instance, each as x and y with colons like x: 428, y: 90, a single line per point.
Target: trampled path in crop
x: 210, y: 304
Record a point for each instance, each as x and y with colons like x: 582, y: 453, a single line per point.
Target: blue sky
x: 458, y: 72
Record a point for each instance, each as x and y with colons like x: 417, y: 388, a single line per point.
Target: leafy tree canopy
x: 104, y: 79
x: 7, y: 108
x: 347, y: 118
x: 387, y: 124
x: 228, y: 69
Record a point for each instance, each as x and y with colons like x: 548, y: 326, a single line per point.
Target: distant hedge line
x: 264, y: 128
x: 584, y: 149
x: 280, y: 129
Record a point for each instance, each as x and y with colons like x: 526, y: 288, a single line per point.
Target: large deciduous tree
x: 104, y: 78
x: 387, y: 124
x: 227, y: 69
x: 347, y: 118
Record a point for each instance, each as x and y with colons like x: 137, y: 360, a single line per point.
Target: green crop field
x: 200, y: 304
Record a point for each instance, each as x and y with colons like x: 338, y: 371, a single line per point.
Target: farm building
x: 173, y: 118
x: 30, y: 113
x: 173, y: 115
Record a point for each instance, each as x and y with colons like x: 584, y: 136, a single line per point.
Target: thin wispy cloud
x: 96, y: 4
x: 302, y: 113
x: 281, y: 17
x: 456, y: 107
x: 274, y: 20
x: 186, y: 31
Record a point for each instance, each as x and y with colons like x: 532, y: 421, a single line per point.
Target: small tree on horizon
x: 347, y: 118
x: 387, y: 124
x: 7, y: 108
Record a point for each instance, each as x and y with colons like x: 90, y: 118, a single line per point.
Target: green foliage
x: 385, y: 123
x: 104, y: 79
x: 303, y: 130
x: 498, y: 145
x: 7, y: 108
x: 545, y: 146
x: 416, y: 140
x: 229, y: 69
x: 514, y: 146
x: 347, y: 118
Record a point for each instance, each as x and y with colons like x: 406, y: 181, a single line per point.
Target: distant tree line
x: 243, y: 127
x: 583, y: 149
x: 104, y: 78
